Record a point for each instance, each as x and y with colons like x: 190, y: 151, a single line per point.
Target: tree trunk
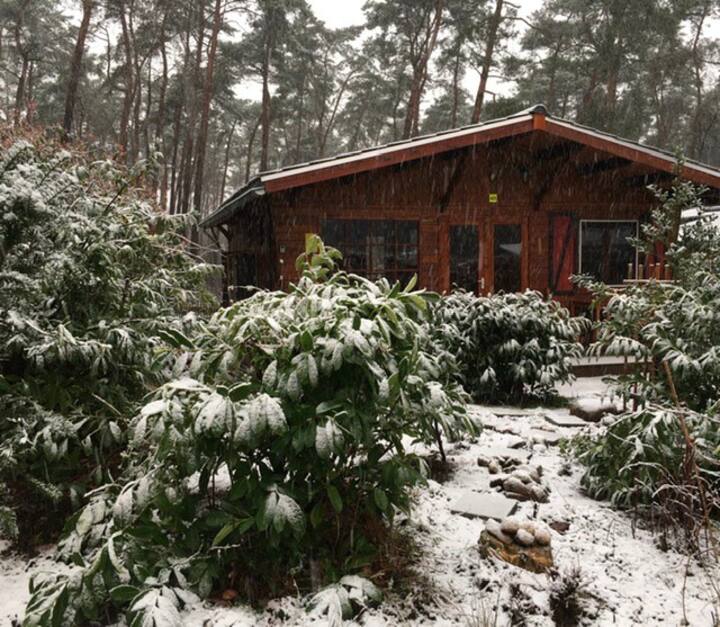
x: 420, y: 72
x: 205, y: 113
x: 251, y: 142
x: 129, y: 93
x: 76, y: 67
x: 495, y: 22
x: 160, y: 128
x: 226, y: 161
x: 265, y: 113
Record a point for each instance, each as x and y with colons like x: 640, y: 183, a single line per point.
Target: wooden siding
x: 533, y: 177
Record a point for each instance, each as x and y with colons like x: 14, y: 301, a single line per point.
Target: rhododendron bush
x: 272, y: 459
x: 90, y: 276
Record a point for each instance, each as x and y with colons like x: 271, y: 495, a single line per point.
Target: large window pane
x: 464, y: 257
x: 507, y: 256
x: 605, y: 249
x: 375, y: 248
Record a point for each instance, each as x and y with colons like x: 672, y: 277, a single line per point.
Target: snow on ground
x: 629, y: 579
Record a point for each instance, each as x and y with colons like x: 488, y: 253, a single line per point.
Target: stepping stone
x: 503, y: 452
x: 561, y: 420
x: 502, y: 410
x: 550, y: 438
x: 485, y: 505
x: 593, y: 409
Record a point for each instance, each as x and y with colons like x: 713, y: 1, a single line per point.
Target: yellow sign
x: 493, y: 199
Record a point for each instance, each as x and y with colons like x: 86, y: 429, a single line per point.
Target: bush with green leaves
x: 276, y: 457
x: 509, y: 347
x: 677, y: 322
x: 90, y: 276
x: 646, y: 460
x: 664, y: 458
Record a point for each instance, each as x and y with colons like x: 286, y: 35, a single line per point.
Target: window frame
x: 396, y: 272
x: 636, y: 222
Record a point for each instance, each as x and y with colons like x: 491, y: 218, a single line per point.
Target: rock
x: 510, y: 526
x: 535, y: 559
x: 483, y: 461
x: 592, y: 409
x: 524, y: 537
x: 529, y: 526
x: 522, y: 476
x: 539, y: 494
x: 560, y: 526
x: 494, y: 528
x: 514, y: 486
x: 493, y: 467
x: 542, y: 537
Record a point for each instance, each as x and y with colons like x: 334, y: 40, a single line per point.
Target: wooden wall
x: 533, y: 176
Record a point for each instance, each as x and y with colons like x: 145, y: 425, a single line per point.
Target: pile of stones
x: 523, y: 544
x: 527, y: 533
x: 520, y: 482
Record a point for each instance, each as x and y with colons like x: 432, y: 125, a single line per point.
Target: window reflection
x: 375, y: 248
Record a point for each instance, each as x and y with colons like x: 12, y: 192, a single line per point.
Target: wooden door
x: 506, y: 257
x: 466, y: 259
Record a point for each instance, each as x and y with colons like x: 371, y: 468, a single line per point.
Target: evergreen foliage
x: 90, y: 276
x: 510, y: 347
x: 664, y: 458
x: 279, y: 444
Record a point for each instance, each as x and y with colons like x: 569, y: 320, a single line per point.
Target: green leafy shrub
x: 90, y: 275
x: 275, y: 457
x: 509, y: 346
x: 644, y: 461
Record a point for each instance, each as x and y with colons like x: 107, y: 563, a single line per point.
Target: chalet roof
x: 535, y: 118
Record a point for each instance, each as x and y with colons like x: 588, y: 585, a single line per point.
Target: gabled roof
x: 533, y: 119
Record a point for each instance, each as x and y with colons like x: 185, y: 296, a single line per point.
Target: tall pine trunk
x: 494, y: 27
x: 76, y: 67
x: 205, y: 113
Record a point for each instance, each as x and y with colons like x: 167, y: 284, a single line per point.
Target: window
x: 464, y: 257
x: 606, y: 250
x: 375, y: 248
x: 507, y: 258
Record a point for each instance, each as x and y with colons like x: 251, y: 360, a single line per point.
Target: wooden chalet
x: 520, y: 202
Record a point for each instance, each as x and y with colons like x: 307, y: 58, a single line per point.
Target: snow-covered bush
x: 509, y: 346
x: 659, y: 459
x: 275, y: 455
x: 665, y: 457
x: 676, y: 323
x: 90, y: 275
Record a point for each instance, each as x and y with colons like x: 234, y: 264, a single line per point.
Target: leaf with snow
x: 329, y: 439
x: 332, y: 602
x: 280, y: 509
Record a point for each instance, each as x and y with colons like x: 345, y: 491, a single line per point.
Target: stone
x: 510, y: 526
x: 548, y: 438
x: 561, y: 526
x: 484, y: 505
x: 514, y: 442
x: 539, y: 494
x: 524, y: 537
x: 502, y: 410
x: 535, y: 559
x: 495, y: 528
x: 528, y: 525
x: 592, y: 409
x: 502, y: 453
x: 542, y: 537
x: 561, y: 420
x: 493, y: 467
x: 522, y: 475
